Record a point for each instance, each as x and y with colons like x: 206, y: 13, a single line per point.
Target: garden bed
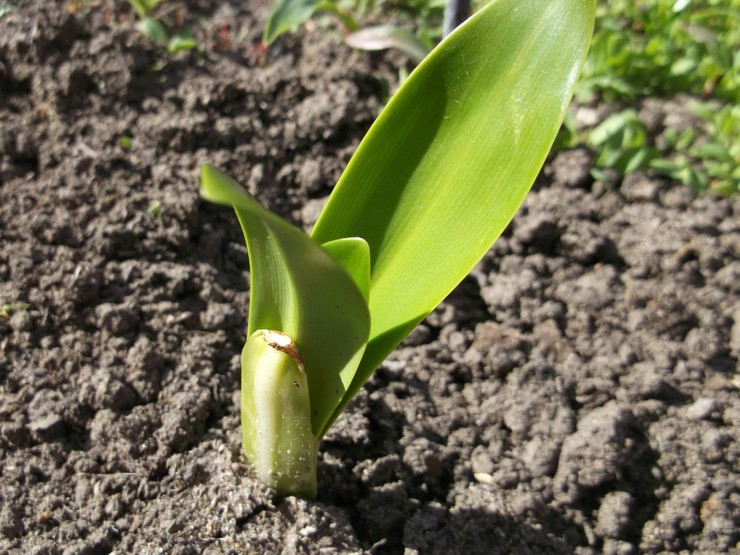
x: 578, y: 393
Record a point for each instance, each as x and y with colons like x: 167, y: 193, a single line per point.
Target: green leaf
x: 142, y: 7
x: 715, y: 150
x: 286, y: 16
x: 6, y: 309
x: 299, y: 289
x: 353, y: 254
x: 618, y: 125
x: 381, y: 37
x: 153, y: 29
x: 446, y: 165
x: 181, y: 42
x: 125, y: 142
x: 683, y: 66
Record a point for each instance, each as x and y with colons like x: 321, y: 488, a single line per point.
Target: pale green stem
x: 276, y: 414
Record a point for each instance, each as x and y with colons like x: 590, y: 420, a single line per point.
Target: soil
x: 578, y: 393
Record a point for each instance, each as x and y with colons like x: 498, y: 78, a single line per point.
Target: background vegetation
x: 686, y: 49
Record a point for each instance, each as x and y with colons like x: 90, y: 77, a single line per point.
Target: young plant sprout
x: 435, y: 181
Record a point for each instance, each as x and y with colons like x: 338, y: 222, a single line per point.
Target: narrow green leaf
x: 446, y: 165
x: 181, y: 42
x: 141, y: 7
x: 299, y: 289
x: 288, y: 15
x: 329, y: 6
x: 381, y: 37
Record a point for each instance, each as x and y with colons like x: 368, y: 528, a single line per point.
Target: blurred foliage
x: 703, y: 158
x: 425, y: 16
x: 709, y: 160
x: 6, y: 6
x: 640, y: 49
x: 661, y: 47
x: 152, y: 27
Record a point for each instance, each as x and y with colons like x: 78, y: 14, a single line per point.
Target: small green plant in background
x: 288, y: 15
x: 6, y: 309
x: 434, y: 182
x: 125, y: 142
x: 704, y: 159
x: 154, y: 29
x: 154, y: 209
x: 640, y: 49
x: 663, y: 47
x: 621, y: 144
x: 708, y: 160
x: 6, y: 6
x: 653, y: 48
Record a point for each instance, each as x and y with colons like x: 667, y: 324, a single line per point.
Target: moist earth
x: 577, y: 393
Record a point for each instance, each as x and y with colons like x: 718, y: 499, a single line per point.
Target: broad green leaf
x: 299, y: 289
x: 446, y: 165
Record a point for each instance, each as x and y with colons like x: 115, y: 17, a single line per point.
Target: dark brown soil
x: 578, y: 393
